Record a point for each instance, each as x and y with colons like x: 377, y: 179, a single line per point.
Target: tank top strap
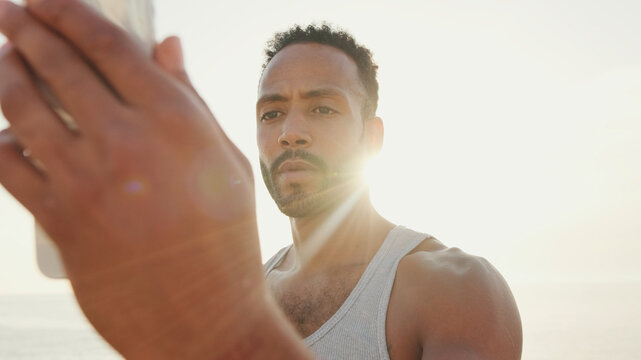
x: 357, y: 329
x: 402, y: 242
x: 276, y: 259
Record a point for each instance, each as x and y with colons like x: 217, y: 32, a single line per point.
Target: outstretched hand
x: 150, y: 204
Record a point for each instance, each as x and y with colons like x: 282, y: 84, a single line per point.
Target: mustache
x: 298, y: 154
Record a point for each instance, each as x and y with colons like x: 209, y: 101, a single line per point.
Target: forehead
x: 307, y: 66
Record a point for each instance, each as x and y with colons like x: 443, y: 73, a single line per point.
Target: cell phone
x: 135, y: 16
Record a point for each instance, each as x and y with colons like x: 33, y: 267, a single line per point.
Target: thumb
x: 168, y: 55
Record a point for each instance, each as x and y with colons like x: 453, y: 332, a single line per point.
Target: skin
x: 445, y: 304
x: 149, y: 268
x: 293, y: 105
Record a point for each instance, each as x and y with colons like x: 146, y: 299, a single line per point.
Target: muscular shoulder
x: 461, y: 303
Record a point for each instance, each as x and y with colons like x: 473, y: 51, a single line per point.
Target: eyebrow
x: 271, y: 98
x: 321, y: 92
x: 306, y: 95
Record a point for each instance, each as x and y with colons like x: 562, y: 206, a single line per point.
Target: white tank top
x: 357, y: 329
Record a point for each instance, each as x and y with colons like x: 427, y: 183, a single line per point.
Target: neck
x: 347, y: 234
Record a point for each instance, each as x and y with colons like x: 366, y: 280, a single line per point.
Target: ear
x: 374, y: 133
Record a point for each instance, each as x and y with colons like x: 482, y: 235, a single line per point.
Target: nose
x: 294, y: 135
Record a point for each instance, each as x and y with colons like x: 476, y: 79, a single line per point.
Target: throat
x: 349, y: 234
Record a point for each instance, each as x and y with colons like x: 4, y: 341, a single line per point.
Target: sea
x: 560, y: 321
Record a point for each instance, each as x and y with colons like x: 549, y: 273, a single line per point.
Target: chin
x: 300, y: 205
x: 304, y: 204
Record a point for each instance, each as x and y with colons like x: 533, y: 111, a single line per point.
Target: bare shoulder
x: 462, y: 305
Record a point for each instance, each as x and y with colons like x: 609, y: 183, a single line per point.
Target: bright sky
x: 513, y: 128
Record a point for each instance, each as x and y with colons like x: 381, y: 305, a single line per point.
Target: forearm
x: 253, y: 330
x: 219, y: 310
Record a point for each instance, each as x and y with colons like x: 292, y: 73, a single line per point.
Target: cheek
x: 345, y: 155
x: 344, y: 140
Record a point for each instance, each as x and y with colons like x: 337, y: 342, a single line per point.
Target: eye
x: 270, y: 115
x: 324, y: 110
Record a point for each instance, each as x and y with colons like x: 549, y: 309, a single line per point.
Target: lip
x: 295, y: 165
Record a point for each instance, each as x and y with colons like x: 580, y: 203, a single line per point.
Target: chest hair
x: 310, y: 303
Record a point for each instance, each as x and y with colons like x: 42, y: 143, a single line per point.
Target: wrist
x: 174, y: 302
x: 253, y: 328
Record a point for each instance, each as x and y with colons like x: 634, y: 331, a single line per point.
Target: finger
x: 32, y: 121
x: 115, y: 54
x: 28, y: 185
x: 169, y: 56
x: 59, y: 66
x: 19, y: 177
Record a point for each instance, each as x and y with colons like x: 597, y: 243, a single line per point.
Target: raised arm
x: 151, y: 205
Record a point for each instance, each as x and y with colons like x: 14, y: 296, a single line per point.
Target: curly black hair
x: 340, y: 39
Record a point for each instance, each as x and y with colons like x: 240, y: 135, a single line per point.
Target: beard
x: 331, y: 188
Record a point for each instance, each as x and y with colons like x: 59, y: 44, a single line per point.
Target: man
x: 152, y: 207
x: 317, y: 124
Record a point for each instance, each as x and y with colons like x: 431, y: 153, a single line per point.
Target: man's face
x: 310, y: 128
